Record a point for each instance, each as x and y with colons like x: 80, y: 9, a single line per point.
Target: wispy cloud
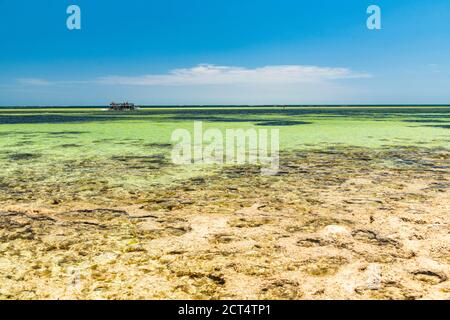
x: 206, y: 74
x: 34, y: 82
x: 434, y: 68
x: 206, y: 84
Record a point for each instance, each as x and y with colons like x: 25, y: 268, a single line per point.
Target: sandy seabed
x: 340, y: 223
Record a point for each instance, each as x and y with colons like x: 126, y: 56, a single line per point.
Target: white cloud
x: 206, y: 74
x: 209, y: 84
x: 434, y: 68
x: 34, y: 82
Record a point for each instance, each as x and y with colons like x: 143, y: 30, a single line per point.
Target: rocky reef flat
x: 338, y: 222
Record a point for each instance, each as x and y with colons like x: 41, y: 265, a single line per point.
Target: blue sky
x: 224, y: 52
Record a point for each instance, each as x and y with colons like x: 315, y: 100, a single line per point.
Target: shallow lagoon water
x: 363, y: 126
x: 91, y: 195
x: 131, y: 150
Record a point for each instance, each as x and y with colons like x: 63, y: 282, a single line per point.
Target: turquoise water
x: 44, y: 148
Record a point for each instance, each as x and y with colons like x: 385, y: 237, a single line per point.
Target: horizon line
x: 229, y: 105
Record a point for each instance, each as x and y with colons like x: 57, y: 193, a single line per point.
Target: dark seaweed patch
x: 257, y: 121
x: 158, y: 145
x: 70, y: 145
x: 62, y: 133
x: 282, y: 123
x: 57, y: 118
x: 426, y: 121
x: 23, y: 143
x: 24, y: 133
x: 441, y: 126
x: 153, y: 159
x: 102, y: 140
x: 23, y: 156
